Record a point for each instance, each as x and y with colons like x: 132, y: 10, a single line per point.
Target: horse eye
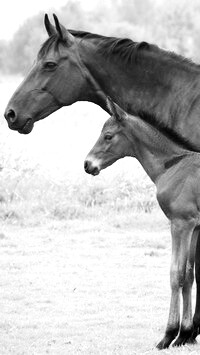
x: 108, y: 137
x: 50, y: 65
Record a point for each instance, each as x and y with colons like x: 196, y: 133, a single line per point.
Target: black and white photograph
x: 100, y: 177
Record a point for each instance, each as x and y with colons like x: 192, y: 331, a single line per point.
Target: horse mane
x: 167, y: 131
x: 127, y: 50
x: 124, y: 49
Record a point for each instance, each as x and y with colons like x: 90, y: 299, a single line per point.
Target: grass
x: 27, y: 196
x: 82, y: 287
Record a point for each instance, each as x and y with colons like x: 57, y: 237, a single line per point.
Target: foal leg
x: 186, y: 329
x: 181, y: 231
x: 196, y: 318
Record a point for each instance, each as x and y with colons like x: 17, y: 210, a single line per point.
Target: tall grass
x: 26, y: 195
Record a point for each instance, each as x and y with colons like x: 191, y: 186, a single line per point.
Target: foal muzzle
x: 90, y: 168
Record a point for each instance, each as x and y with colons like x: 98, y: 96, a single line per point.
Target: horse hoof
x: 179, y: 341
x: 183, y: 336
x: 195, y: 333
x: 160, y: 346
x: 163, y: 344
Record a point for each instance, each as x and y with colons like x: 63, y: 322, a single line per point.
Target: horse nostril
x: 10, y: 116
x: 86, y: 165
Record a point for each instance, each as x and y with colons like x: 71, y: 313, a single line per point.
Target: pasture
x: 84, y: 261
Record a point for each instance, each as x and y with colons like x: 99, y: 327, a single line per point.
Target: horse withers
x: 175, y: 172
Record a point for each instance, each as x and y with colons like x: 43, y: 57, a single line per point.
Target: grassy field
x: 84, y: 261
x: 85, y: 286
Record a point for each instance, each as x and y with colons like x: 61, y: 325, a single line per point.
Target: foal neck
x: 155, y: 151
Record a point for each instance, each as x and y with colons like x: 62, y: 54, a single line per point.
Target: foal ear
x: 63, y: 33
x: 111, y: 106
x: 49, y: 27
x: 115, y: 110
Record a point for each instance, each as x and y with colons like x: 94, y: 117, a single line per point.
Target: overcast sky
x: 15, y: 12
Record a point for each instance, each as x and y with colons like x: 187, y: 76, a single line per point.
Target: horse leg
x: 181, y: 231
x: 186, y: 328
x: 196, y: 318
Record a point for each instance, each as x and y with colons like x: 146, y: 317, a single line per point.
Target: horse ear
x: 49, y: 27
x: 63, y: 33
x: 115, y: 110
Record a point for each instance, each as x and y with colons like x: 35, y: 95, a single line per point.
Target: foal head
x: 113, y: 142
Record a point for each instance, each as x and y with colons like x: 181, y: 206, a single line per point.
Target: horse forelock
x: 51, y: 42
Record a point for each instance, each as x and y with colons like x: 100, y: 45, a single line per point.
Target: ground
x: 71, y: 287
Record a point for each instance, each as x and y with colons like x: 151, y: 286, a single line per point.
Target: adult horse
x: 143, y: 79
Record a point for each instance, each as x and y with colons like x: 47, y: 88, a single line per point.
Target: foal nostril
x: 11, y: 116
x: 90, y: 169
x: 86, y: 166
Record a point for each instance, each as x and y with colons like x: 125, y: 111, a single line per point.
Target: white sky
x: 14, y: 12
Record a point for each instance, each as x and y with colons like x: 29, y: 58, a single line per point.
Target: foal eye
x: 50, y: 65
x: 108, y: 137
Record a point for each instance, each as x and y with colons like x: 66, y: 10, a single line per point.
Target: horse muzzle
x: 15, y: 124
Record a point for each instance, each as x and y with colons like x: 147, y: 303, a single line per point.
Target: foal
x: 176, y: 173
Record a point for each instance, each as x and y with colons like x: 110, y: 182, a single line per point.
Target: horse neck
x: 150, y: 147
x: 152, y: 83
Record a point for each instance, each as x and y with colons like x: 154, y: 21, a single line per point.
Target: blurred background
x: 42, y: 173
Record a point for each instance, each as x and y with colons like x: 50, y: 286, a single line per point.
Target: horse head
x: 55, y: 80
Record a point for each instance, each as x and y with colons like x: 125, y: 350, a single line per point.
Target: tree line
x: 171, y: 24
